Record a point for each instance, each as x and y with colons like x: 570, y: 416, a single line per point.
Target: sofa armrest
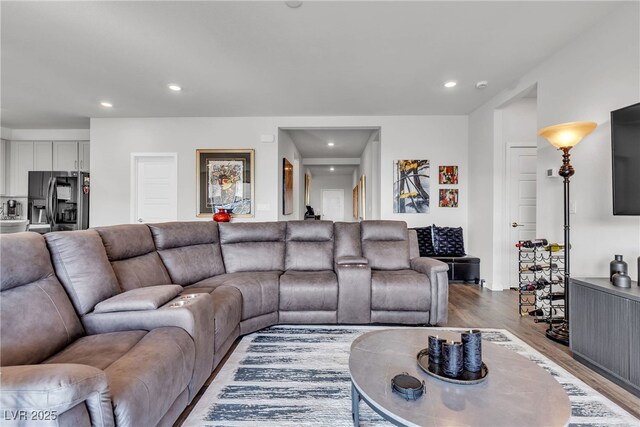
x: 193, y: 313
x: 354, y: 289
x: 437, y: 273
x: 48, y: 390
x: 147, y: 298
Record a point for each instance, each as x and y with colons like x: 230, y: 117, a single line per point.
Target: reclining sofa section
x: 92, y: 304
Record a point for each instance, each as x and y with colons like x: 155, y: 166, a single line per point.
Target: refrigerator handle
x: 47, y: 211
x: 54, y: 203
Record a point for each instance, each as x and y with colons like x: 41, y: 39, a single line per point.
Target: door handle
x: 140, y: 220
x: 75, y: 164
x: 515, y: 224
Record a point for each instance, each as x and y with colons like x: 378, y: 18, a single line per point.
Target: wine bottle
x: 529, y: 244
x: 553, y: 296
x: 538, y: 267
x: 555, y: 247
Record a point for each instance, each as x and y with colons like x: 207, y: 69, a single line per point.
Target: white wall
x: 370, y: 168
x: 332, y: 182
x: 441, y: 139
x: 596, y: 73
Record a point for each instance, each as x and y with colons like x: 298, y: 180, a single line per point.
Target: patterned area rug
x: 299, y: 375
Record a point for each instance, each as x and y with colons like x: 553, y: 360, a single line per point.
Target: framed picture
x: 287, y: 187
x: 355, y: 202
x: 448, y: 198
x: 225, y: 179
x: 411, y: 186
x: 448, y: 175
x: 362, y: 193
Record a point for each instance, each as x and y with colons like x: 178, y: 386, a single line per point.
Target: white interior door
x: 521, y: 203
x: 154, y: 187
x: 333, y: 205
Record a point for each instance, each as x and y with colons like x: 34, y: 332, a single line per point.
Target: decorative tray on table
x: 435, y: 370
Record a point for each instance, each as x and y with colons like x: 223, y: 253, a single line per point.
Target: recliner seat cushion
x: 385, y: 244
x: 308, y: 291
x: 82, y: 265
x: 147, y: 371
x: 309, y: 245
x: 402, y: 290
x: 260, y: 290
x: 190, y: 251
x: 252, y: 246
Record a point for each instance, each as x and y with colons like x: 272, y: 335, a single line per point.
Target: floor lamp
x: 564, y: 137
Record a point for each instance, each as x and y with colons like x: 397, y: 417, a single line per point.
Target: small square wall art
x: 448, y: 175
x: 448, y: 198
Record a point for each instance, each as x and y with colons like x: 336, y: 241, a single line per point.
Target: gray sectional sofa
x: 122, y: 325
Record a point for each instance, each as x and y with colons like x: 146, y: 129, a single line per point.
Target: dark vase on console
x: 222, y: 215
x: 621, y: 280
x: 617, y: 266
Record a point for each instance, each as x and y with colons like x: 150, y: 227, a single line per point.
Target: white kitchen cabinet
x: 83, y: 155
x: 21, y: 162
x: 65, y: 156
x: 42, y: 156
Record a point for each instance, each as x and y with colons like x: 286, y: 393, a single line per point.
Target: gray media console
x: 605, y: 329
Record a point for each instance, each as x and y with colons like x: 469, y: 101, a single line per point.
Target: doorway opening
x: 519, y: 122
x: 336, y: 173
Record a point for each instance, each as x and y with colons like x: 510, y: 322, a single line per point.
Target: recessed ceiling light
x: 450, y: 84
x: 330, y: 144
x: 293, y: 4
x: 332, y: 168
x: 106, y: 104
x: 175, y: 87
x: 482, y: 84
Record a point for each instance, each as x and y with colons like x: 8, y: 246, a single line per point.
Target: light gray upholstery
x: 133, y: 256
x: 82, y: 266
x: 139, y: 395
x: 259, y: 290
x: 414, y: 249
x: 308, y: 290
x: 58, y: 388
x: 401, y: 290
x: 195, y: 317
x: 36, y: 316
x: 309, y: 245
x: 385, y: 244
x: 253, y: 246
x: 354, y: 289
x: 149, y: 298
x: 189, y: 250
x: 437, y: 273
x: 347, y: 239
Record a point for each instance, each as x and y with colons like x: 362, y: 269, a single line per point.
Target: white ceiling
x: 324, y: 170
x: 60, y: 59
x: 312, y: 143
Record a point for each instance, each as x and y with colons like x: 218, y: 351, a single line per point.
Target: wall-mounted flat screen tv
x: 625, y: 152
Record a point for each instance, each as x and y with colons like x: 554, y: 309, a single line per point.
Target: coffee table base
x: 356, y: 397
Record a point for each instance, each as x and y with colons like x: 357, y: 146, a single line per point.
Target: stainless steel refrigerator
x: 60, y: 199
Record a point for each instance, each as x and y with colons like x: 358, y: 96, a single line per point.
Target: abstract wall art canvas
x: 411, y: 186
x: 225, y: 180
x: 448, y: 198
x: 448, y: 175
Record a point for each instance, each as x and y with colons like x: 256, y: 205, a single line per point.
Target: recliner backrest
x: 347, y: 239
x: 252, y: 246
x: 36, y: 316
x: 385, y: 244
x: 309, y: 245
x: 190, y: 251
x: 81, y: 264
x: 133, y: 256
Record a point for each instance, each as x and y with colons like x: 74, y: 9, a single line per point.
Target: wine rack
x: 541, y: 283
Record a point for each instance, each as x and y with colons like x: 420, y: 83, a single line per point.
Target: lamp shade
x: 567, y: 134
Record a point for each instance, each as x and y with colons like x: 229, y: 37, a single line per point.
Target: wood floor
x: 473, y: 306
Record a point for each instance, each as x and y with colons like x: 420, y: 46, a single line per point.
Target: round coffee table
x: 516, y: 392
